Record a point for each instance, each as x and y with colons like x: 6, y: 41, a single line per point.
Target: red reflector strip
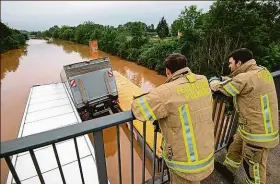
x: 110, y: 73
x: 115, y: 101
x: 72, y: 83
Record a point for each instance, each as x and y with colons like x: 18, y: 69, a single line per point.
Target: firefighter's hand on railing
x: 156, y: 125
x: 213, y: 83
x: 215, y: 78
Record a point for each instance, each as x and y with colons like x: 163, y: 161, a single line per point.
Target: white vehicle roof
x: 50, y: 107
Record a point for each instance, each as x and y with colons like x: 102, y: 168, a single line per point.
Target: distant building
x: 32, y: 36
x: 180, y: 34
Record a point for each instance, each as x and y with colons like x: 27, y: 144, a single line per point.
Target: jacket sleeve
x: 230, y: 87
x: 148, y: 107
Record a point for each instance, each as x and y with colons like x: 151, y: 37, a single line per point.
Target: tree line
x: 206, y: 39
x: 11, y: 38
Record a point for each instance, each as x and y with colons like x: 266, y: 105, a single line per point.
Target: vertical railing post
x: 226, y: 128
x: 222, y: 123
x: 119, y: 154
x: 58, y: 163
x: 219, y: 100
x: 215, y: 100
x: 276, y: 79
x: 233, y: 126
x: 79, y: 160
x: 132, y: 155
x: 154, y: 154
x: 162, y: 170
x: 38, y: 170
x: 100, y: 156
x: 144, y: 152
x: 12, y: 169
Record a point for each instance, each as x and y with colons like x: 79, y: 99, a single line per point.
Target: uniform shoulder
x: 162, y: 89
x: 199, y: 77
x: 241, y: 76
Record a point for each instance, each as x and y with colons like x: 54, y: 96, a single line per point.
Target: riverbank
x: 11, y: 38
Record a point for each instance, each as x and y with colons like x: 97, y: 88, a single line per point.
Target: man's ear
x: 239, y: 63
x: 167, y: 71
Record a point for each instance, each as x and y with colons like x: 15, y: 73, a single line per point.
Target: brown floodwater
x: 41, y: 63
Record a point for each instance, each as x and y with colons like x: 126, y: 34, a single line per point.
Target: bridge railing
x: 223, y: 116
x: 224, y: 123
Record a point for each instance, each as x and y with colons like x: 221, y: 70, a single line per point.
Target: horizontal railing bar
x: 276, y: 73
x: 42, y: 139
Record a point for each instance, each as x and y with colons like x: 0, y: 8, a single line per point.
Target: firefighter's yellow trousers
x: 254, y: 160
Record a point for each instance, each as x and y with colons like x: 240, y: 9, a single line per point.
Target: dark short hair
x: 242, y: 55
x: 175, y: 62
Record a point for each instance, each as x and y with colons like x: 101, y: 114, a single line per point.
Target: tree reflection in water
x: 11, y: 60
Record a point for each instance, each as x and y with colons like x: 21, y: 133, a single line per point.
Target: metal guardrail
x: 95, y: 126
x: 223, y: 126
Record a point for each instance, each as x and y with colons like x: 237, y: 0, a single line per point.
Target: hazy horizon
x: 41, y: 15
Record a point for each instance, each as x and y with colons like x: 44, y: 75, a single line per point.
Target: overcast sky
x: 41, y: 15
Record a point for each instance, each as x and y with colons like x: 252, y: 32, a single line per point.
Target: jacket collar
x: 178, y: 74
x: 244, y: 67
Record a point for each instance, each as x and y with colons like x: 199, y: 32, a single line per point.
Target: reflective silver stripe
x: 266, y: 113
x: 258, y: 137
x: 230, y: 89
x: 149, y: 116
x: 189, y: 167
x: 188, y: 133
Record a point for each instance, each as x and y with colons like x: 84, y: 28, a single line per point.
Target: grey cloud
x: 41, y: 15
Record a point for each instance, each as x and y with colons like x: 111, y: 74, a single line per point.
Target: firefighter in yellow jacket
x: 254, y: 95
x: 183, y: 108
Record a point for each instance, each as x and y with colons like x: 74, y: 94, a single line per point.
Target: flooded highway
x: 40, y: 62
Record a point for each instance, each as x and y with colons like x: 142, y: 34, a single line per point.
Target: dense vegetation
x: 207, y: 38
x: 162, y: 28
x: 11, y: 38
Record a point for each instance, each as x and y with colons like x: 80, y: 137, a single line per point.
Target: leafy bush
x: 153, y: 54
x: 11, y: 38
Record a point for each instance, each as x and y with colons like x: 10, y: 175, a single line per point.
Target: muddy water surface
x: 41, y: 63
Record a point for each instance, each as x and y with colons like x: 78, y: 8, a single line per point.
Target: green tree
x: 162, y: 28
x: 255, y: 24
x: 153, y: 54
x: 151, y: 28
x: 207, y: 38
x: 11, y: 38
x: 176, y: 26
